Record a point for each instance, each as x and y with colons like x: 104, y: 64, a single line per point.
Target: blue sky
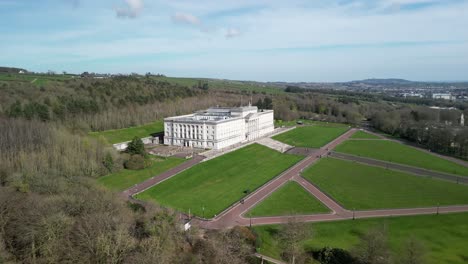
x: 264, y: 40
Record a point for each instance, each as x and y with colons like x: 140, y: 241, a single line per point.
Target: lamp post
x: 203, y: 209
x: 354, y: 211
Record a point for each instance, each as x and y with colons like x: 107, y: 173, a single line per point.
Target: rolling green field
x: 443, y: 236
x: 224, y: 84
x: 362, y: 187
x: 36, y: 79
x: 127, y: 134
x: 399, y: 153
x: 125, y: 179
x: 220, y: 182
x: 311, y: 136
x: 279, y: 123
x: 289, y: 199
x: 363, y: 135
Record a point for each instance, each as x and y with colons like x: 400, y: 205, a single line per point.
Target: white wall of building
x: 231, y: 127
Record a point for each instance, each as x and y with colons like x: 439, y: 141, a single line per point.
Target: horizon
x: 418, y: 40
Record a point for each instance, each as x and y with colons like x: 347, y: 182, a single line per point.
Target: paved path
x: 232, y: 215
x: 270, y: 260
x: 400, y: 167
x: 161, y: 177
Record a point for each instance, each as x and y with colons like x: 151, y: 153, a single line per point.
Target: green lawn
x: 279, y: 123
x: 124, y: 179
x: 290, y: 199
x: 365, y: 187
x: 220, y: 182
x: 364, y: 135
x: 311, y: 136
x: 443, y: 236
x: 399, y: 153
x: 127, y: 134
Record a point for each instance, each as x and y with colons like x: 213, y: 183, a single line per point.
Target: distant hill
x: 11, y: 70
x: 384, y: 81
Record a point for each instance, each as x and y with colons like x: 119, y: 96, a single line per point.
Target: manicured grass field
x: 279, y: 123
x: 364, y: 135
x: 125, y: 179
x: 311, y: 136
x: 399, y: 153
x: 443, y: 236
x: 127, y: 134
x: 220, y: 182
x: 290, y: 199
x: 357, y: 186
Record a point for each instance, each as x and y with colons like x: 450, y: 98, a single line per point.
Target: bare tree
x: 373, y: 247
x: 413, y: 252
x: 292, y: 236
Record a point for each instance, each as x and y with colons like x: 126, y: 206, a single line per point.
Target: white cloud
x: 293, y: 40
x: 132, y: 10
x: 184, y: 18
x: 232, y: 33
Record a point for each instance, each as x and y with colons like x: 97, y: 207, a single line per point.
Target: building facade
x: 218, y: 127
x: 445, y: 96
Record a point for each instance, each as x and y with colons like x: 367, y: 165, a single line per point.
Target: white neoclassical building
x: 218, y: 127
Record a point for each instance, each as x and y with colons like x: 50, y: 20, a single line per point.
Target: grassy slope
x: 444, y: 236
x: 311, y: 136
x: 364, y: 135
x: 126, y: 134
x: 399, y: 153
x: 307, y: 122
x: 124, y: 179
x: 364, y: 187
x: 224, y: 84
x: 220, y: 182
x: 290, y: 199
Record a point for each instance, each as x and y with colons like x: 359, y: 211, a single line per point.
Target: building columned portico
x: 218, y: 127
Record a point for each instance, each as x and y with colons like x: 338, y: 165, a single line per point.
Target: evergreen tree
x: 136, y: 146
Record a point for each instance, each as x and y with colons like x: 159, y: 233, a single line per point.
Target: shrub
x: 136, y: 162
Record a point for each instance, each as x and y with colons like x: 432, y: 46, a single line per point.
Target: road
x: 235, y: 215
x: 232, y: 216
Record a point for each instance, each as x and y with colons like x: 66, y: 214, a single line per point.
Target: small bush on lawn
x: 136, y: 162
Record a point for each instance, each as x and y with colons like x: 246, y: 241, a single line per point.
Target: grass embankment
x: 364, y: 135
x: 311, y: 136
x: 279, y: 123
x: 125, y: 179
x: 395, y: 152
x: 443, y: 236
x: 220, y: 182
x: 358, y: 186
x: 289, y: 199
x: 127, y: 134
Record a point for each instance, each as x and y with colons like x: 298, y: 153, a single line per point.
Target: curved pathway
x: 235, y: 215
x: 232, y: 216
